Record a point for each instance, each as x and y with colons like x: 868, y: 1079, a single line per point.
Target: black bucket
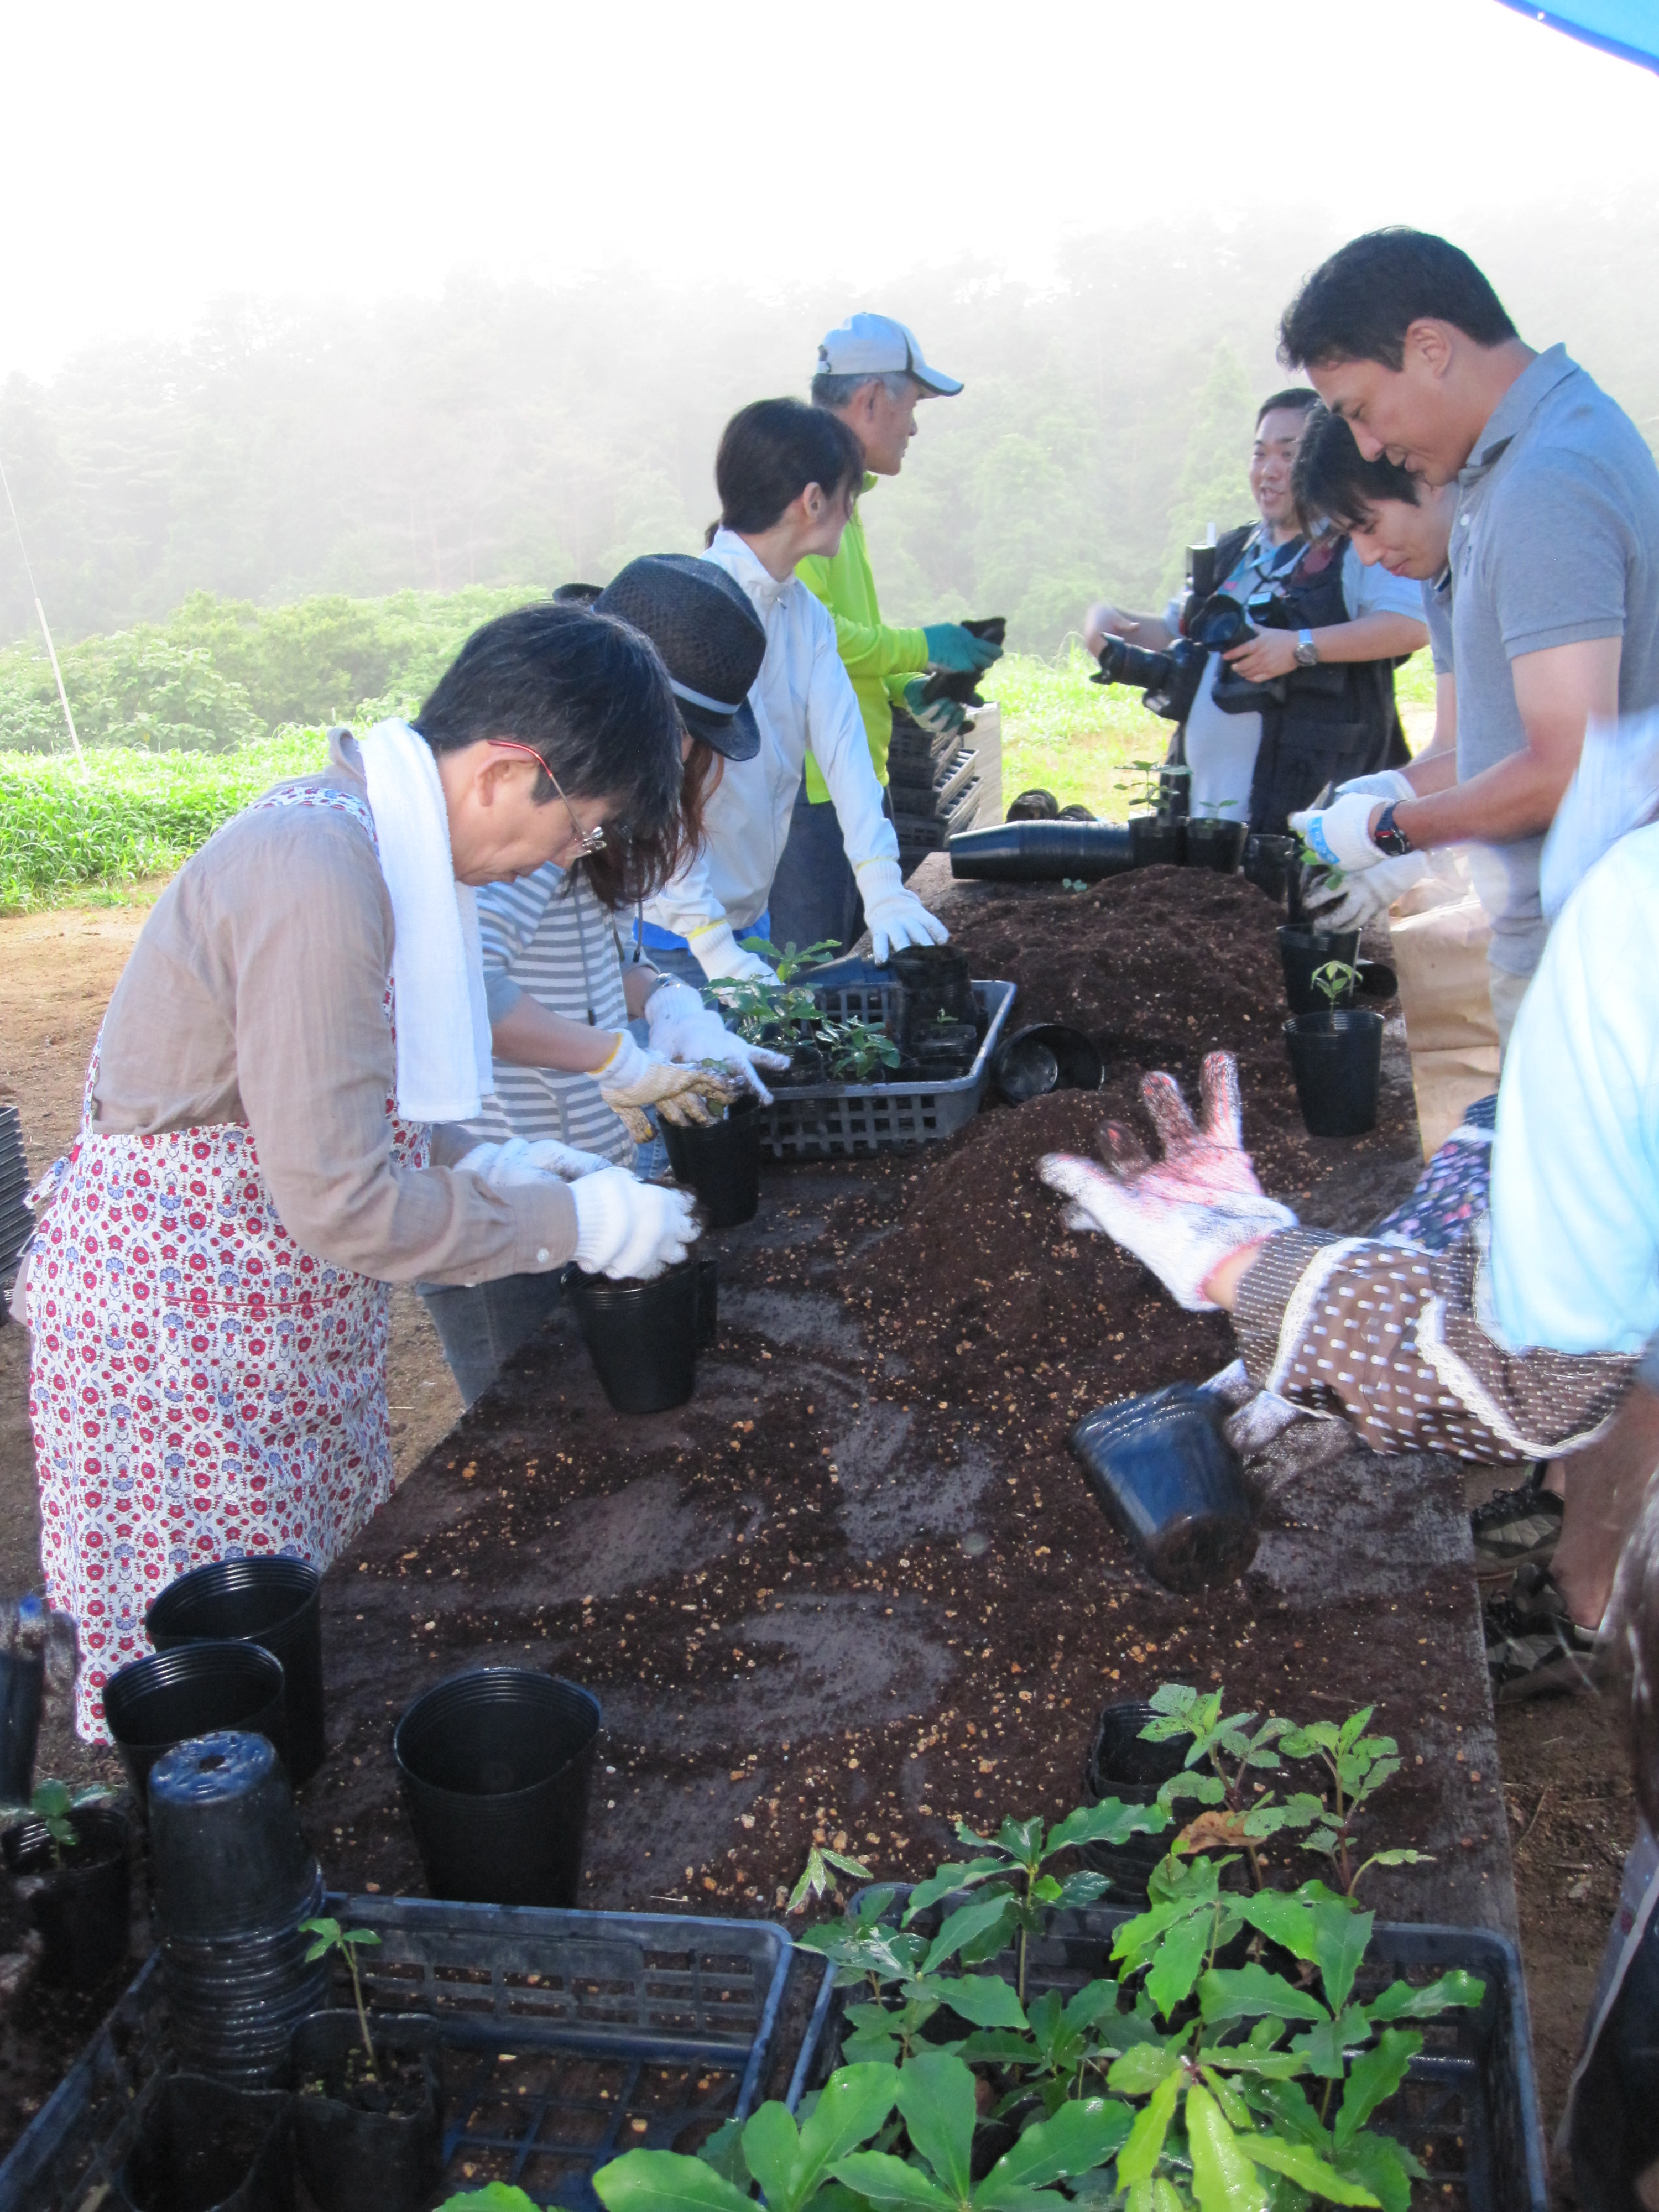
x: 496, y: 1766
x: 1301, y: 951
x: 22, y: 1688
x: 1043, y: 852
x: 1213, y: 843
x: 195, y: 1689
x: 721, y: 1161
x: 273, y: 1602
x: 643, y: 1337
x: 1158, y: 840
x: 1337, y: 1062
x: 204, y: 2147
x: 1121, y: 1766
x: 350, y: 2157
x: 80, y: 1898
x: 1047, y: 1056
x: 1171, y: 1482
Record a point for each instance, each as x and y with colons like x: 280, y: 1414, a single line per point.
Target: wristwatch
x: 1307, y: 653
x: 1387, y: 838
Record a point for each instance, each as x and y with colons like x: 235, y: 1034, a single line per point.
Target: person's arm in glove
x: 1352, y: 901
x: 958, y: 651
x: 630, y: 1230
x: 936, y: 716
x: 683, y: 1028
x: 723, y: 960
x: 521, y: 1160
x: 1184, y: 1215
x: 634, y: 1078
x: 893, y: 916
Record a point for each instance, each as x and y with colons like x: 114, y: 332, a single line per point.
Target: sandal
x: 1517, y: 1527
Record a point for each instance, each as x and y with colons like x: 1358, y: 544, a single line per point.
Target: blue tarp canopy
x: 1627, y: 27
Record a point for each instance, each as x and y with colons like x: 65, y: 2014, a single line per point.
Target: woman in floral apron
x: 266, y: 1144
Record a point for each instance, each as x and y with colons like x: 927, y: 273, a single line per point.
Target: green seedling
x: 818, y: 1877
x: 329, y: 1935
x: 1073, y: 884
x: 54, y: 1805
x: 1212, y: 808
x: 1334, y: 982
x: 1314, y: 864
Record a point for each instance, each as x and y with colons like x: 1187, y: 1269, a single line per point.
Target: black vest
x: 1336, y: 720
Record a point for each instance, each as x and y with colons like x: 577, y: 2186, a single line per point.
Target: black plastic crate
x: 1467, y: 2108
x: 932, y: 832
x: 569, y: 2037
x: 921, y: 794
x: 869, y: 1117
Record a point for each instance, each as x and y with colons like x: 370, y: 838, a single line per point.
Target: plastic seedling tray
x: 1467, y: 2108
x: 935, y: 829
x: 568, y: 2037
x: 835, y: 1119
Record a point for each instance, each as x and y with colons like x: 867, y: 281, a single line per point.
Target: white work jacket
x: 802, y: 697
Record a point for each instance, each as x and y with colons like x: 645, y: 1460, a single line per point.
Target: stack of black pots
x: 235, y: 1880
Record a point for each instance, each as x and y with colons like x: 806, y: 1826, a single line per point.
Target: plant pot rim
x: 496, y: 1796
x: 1337, y: 1022
x: 419, y: 2034
x: 602, y: 1285
x: 88, y: 1857
x: 179, y: 1592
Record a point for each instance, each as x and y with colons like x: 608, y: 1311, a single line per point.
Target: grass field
x: 127, y: 818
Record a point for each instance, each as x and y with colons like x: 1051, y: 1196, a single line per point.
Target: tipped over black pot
x: 1337, y: 1062
x: 1042, y: 853
x: 643, y: 1337
x: 361, y: 2142
x: 496, y: 1766
x: 1169, y: 1479
x: 1043, y: 1057
x: 78, y: 1895
x: 275, y: 1603
x: 721, y: 1161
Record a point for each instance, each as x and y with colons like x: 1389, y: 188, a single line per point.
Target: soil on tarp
x: 856, y: 1588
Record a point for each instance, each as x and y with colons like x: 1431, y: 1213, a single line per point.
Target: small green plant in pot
x: 66, y: 1852
x: 1336, y: 1056
x: 368, y: 2119
x: 1215, y: 838
x: 784, y: 1014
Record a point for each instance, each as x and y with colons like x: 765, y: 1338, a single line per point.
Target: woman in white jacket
x: 787, y: 475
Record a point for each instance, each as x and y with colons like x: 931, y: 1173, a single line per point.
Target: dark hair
x: 1333, y: 479
x: 1360, y: 304
x: 1302, y: 397
x: 770, y: 451
x: 583, y: 691
x: 628, y: 869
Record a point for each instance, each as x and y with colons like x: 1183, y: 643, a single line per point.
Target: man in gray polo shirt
x: 1555, y: 559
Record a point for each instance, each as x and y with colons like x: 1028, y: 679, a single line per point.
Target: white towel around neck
x: 437, y: 960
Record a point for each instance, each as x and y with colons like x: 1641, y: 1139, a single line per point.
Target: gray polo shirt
x: 1556, y: 541
x: 1437, y: 612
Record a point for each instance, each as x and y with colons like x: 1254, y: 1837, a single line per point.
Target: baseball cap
x: 708, y: 637
x: 875, y: 345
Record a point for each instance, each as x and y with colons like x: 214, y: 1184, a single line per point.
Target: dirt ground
x: 1562, y: 1766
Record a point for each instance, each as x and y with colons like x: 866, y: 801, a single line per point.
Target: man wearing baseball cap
x: 872, y: 373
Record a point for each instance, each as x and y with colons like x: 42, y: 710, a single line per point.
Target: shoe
x: 1534, y: 1649
x: 1517, y: 1527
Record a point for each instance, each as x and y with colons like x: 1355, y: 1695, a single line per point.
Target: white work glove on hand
x: 630, y: 1230
x: 723, y: 960
x: 1339, y: 835
x: 894, y: 917
x: 634, y: 1078
x: 519, y: 1161
x: 1359, y: 899
x: 1388, y: 784
x: 683, y: 1028
x: 1183, y: 1214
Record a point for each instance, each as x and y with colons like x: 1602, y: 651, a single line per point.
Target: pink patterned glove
x: 1183, y: 1214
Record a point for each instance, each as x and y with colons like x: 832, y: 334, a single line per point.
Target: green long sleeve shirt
x: 879, y: 659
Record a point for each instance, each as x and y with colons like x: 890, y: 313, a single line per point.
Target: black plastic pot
x: 709, y: 1300
x: 228, y: 1857
x: 1034, y: 807
x: 275, y: 1603
x: 351, y: 2155
x: 928, y: 981
x: 721, y: 1161
x: 1047, y: 1056
x: 643, y: 1337
x: 496, y: 1766
x: 1271, y: 863
x: 195, y: 1689
x: 808, y: 1070
x: 1166, y: 1474
x: 80, y: 1899
x: 23, y: 1686
x: 1042, y: 853
x: 1120, y: 1764
x: 1336, y: 1059
x: 1301, y: 951
x: 1158, y: 840
x: 1213, y: 843
x: 203, y: 2147
x: 945, y: 1051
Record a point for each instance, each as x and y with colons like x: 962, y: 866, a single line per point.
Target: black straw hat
x: 711, y: 641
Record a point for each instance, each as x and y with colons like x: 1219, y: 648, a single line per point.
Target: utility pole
x: 51, y: 650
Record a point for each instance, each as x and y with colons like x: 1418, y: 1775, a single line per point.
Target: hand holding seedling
x: 1181, y: 1215
x: 683, y: 1028
x: 1339, y: 835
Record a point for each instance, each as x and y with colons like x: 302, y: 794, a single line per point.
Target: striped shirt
x: 548, y: 935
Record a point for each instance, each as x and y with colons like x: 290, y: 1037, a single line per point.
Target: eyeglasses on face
x: 588, y: 841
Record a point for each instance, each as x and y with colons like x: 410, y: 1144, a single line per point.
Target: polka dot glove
x: 1181, y: 1214
x: 634, y: 1078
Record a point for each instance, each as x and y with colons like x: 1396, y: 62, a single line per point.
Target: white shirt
x: 802, y: 697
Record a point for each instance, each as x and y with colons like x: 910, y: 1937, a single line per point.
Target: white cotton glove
x: 1356, y: 900
x: 723, y: 960
x: 630, y: 1230
x: 1182, y: 1214
x: 1388, y: 784
x: 509, y: 1166
x: 634, y: 1078
x: 1339, y: 835
x: 894, y: 917
x: 683, y: 1028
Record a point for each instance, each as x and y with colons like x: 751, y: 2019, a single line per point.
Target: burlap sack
x: 1440, y: 933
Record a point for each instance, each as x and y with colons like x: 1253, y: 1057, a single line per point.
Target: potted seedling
x: 369, y: 2119
x: 1336, y: 1056
x: 721, y: 1161
x: 856, y: 1053
x: 784, y: 1014
x: 1157, y: 836
x: 1301, y: 947
x: 67, y: 1857
x: 1213, y: 841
